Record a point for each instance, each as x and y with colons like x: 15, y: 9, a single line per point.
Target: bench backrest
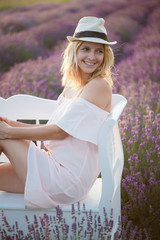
x: 111, y: 160
x: 26, y: 107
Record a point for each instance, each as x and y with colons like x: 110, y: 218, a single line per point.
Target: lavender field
x: 32, y: 39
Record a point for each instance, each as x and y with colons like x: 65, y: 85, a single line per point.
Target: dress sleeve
x: 82, y: 119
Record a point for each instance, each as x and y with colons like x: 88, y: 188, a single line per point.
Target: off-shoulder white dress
x: 66, y: 172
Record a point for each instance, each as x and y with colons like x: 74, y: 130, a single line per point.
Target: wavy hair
x: 70, y: 70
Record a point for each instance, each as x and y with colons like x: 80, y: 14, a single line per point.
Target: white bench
x: 105, y: 193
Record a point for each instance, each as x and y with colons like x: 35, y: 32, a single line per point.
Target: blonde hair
x: 70, y: 71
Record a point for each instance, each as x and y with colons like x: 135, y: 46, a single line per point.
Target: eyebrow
x: 98, y: 48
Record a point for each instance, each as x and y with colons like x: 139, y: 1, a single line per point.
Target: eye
x: 100, y: 51
x: 85, y: 49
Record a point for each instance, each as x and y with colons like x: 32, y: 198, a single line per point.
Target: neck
x: 85, y: 78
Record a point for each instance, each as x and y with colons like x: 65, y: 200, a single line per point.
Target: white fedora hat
x: 91, y: 29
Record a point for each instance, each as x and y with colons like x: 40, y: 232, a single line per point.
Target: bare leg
x: 16, y: 151
x: 0, y: 150
x: 9, y: 180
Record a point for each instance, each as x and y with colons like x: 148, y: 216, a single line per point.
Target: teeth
x: 90, y: 64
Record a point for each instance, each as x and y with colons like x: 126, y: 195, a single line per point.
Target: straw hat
x: 91, y: 29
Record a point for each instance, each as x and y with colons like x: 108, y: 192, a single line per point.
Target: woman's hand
x: 4, y: 130
x: 5, y: 120
x: 16, y: 123
x: 9, y: 122
x: 41, y: 133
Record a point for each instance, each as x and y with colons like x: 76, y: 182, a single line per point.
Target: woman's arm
x: 42, y: 133
x: 17, y: 124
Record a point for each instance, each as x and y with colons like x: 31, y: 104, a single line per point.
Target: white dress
x: 66, y: 172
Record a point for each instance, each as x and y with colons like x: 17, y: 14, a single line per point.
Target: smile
x: 89, y: 63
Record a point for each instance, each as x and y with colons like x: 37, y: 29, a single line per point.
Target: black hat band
x: 91, y: 34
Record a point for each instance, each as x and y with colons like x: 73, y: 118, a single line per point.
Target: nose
x: 91, y: 55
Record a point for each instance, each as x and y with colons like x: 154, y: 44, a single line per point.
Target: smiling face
x: 89, y: 57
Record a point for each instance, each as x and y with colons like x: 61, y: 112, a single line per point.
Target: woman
x: 67, y: 170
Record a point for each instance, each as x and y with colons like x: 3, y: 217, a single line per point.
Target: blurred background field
x: 32, y: 39
x: 4, y: 4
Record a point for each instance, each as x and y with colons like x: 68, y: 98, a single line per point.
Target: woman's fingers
x: 4, y: 129
x: 3, y: 119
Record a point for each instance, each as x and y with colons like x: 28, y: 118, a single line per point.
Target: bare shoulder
x: 99, y: 92
x: 98, y: 84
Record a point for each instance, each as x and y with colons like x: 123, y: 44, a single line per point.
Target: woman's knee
x: 3, y: 143
x: 0, y: 150
x: 1, y: 146
x: 17, y: 153
x: 13, y: 147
